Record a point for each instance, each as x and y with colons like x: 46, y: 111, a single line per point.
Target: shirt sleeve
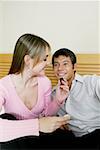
x: 10, y: 130
x: 51, y: 104
x: 98, y: 89
x: 2, y: 98
x: 52, y: 108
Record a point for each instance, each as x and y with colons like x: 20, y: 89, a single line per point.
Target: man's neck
x: 70, y: 81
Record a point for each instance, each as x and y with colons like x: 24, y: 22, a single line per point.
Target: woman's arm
x: 10, y: 130
x: 55, y: 101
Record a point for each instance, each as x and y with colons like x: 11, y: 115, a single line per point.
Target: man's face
x: 63, y: 68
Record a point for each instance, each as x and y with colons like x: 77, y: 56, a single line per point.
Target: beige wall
x: 71, y: 24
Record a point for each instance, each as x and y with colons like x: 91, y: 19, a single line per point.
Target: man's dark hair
x: 64, y: 52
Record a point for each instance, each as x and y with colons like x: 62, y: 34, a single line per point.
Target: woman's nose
x: 49, y: 61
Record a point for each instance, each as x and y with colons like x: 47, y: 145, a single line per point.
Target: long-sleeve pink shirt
x: 27, y: 123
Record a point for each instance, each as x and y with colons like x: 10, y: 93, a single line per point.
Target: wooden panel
x: 5, y: 62
x: 86, y: 64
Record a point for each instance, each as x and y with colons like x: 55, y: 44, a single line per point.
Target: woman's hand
x: 37, y: 70
x: 62, y: 91
x: 65, y: 127
x: 50, y: 124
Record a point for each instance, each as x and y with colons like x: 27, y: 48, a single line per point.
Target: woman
x: 25, y: 93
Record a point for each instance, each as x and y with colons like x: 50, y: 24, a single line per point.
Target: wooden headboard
x: 86, y: 64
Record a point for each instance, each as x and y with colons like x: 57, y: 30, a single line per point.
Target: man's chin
x: 61, y: 77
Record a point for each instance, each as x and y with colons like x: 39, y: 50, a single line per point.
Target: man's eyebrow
x: 62, y: 61
x: 65, y: 61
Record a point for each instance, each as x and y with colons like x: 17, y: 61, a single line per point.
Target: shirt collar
x: 78, y: 78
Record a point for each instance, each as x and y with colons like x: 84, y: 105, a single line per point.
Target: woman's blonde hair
x: 27, y: 44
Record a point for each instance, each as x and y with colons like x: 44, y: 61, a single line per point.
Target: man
x: 83, y: 102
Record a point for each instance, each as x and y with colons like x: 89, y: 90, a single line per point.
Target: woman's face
x: 39, y: 68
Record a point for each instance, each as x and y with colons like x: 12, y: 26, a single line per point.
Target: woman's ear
x: 27, y: 59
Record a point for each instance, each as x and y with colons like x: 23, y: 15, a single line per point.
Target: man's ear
x: 75, y: 67
x: 27, y: 59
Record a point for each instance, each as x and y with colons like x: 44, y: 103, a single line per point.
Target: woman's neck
x: 24, y: 80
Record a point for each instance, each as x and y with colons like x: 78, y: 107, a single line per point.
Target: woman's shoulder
x: 45, y: 80
x: 4, y: 79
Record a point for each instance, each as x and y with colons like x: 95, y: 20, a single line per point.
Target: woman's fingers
x: 50, y: 124
x: 61, y: 121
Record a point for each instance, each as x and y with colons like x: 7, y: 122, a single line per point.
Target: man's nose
x: 60, y: 67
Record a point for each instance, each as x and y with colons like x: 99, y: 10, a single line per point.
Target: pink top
x: 27, y: 123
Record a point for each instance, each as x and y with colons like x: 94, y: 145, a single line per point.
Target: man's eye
x: 65, y: 64
x: 55, y: 65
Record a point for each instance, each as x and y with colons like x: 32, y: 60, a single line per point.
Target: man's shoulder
x: 88, y: 80
x: 87, y: 77
x: 91, y: 80
x: 91, y: 77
